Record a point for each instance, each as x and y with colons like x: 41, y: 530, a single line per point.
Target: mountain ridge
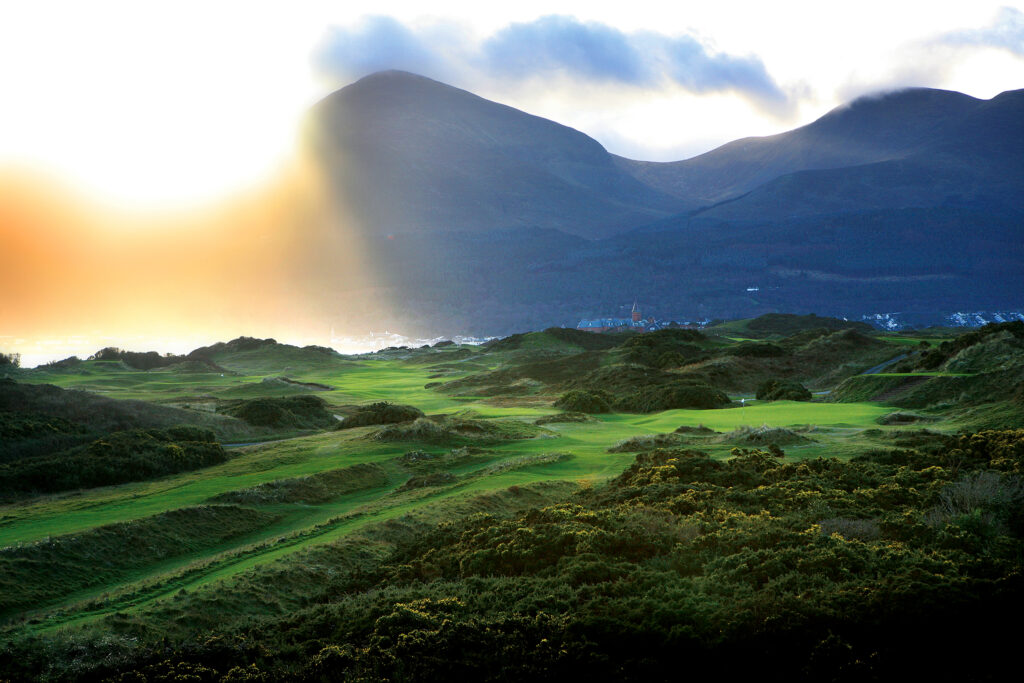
x: 453, y: 160
x: 869, y: 129
x: 907, y: 201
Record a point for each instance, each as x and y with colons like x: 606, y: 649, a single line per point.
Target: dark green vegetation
x: 784, y: 324
x: 37, y: 573
x: 965, y: 375
x: 38, y: 419
x: 295, y: 412
x: 551, y: 506
x: 381, y: 413
x: 730, y: 563
x: 117, y: 458
x: 315, y: 488
x: 780, y: 390
x: 151, y: 360
x: 581, y: 401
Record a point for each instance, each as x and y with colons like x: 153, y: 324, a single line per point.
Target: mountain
x: 481, y: 218
x: 973, y: 160
x: 407, y: 154
x: 869, y: 130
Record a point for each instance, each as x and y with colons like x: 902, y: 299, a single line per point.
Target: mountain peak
x: 394, y: 77
x: 902, y: 104
x: 396, y: 83
x: 432, y: 157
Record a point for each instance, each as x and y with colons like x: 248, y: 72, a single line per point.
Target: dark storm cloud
x: 548, y: 47
x: 1006, y: 32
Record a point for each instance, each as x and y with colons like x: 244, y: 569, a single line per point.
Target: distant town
x: 884, y: 321
x: 898, y: 321
x: 636, y: 322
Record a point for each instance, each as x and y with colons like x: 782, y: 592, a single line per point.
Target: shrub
x: 757, y: 350
x: 647, y: 442
x: 295, y: 412
x: 782, y: 390
x: 582, y: 401
x: 993, y: 496
x: 116, y: 458
x: 563, y: 417
x: 851, y: 529
x: 699, y: 429
x: 423, y: 429
x: 688, y: 394
x: 423, y: 480
x: 381, y: 413
x: 765, y: 435
x: 664, y: 348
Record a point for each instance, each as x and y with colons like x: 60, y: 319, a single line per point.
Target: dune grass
x: 295, y: 482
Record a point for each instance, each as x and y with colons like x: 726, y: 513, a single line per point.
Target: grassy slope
x: 296, y: 527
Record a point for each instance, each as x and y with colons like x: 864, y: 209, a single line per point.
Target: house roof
x: 608, y: 322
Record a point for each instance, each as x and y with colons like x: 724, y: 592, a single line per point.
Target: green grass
x: 936, y: 373
x: 37, y: 573
x: 334, y: 510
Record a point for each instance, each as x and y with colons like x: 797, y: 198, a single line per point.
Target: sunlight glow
x: 161, y: 104
x: 140, y: 105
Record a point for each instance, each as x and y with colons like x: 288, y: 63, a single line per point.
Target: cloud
x: 556, y: 43
x: 1005, y: 32
x: 550, y: 47
x: 375, y: 44
x: 934, y: 61
x: 699, y: 71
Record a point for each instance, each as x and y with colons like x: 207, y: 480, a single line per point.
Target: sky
x: 145, y: 105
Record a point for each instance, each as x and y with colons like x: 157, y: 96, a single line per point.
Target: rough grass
x: 783, y: 324
x: 782, y: 390
x: 380, y: 413
x: 99, y: 414
x: 289, y: 412
x: 700, y: 430
x: 501, y: 478
x: 647, y: 442
x: 579, y: 401
x: 423, y: 480
x: 457, y: 430
x: 315, y: 488
x: 901, y: 418
x: 563, y: 418
x: 868, y: 387
x: 765, y: 435
x: 36, y: 573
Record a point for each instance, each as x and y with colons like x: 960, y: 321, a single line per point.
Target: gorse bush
x: 114, y: 459
x: 290, y: 412
x: 683, y: 393
x: 665, y: 348
x: 782, y: 390
x: 580, y: 401
x: 381, y: 413
x: 751, y: 567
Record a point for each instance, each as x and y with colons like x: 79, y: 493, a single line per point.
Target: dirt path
x: 882, y: 366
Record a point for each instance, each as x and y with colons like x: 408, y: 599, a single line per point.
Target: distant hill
x: 973, y: 161
x: 409, y: 154
x: 463, y: 216
x: 866, y: 131
x: 784, y: 324
x: 484, y: 219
